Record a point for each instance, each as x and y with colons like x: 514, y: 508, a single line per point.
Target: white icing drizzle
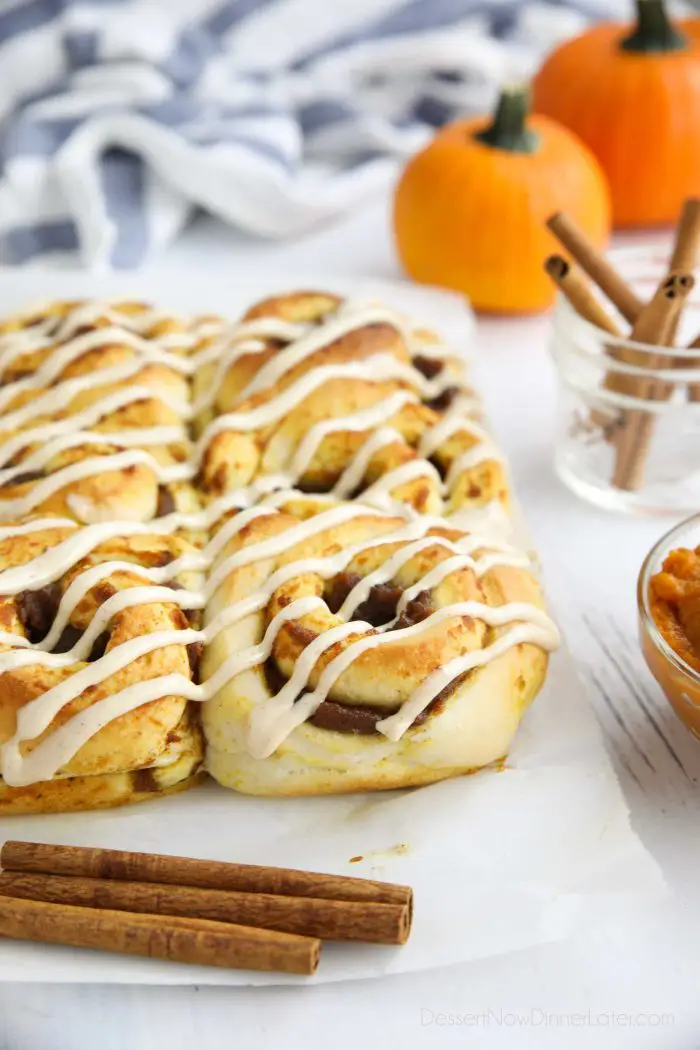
x: 8, y: 532
x: 56, y: 398
x: 378, y: 368
x: 533, y: 630
x: 272, y: 722
x: 224, y: 361
x: 45, y: 760
x: 473, y: 457
x: 274, y: 719
x: 454, y: 421
x: 123, y: 438
x: 276, y: 545
x: 46, y: 487
x: 63, y: 356
x: 78, y: 423
x: 437, y: 352
x: 392, y: 565
x: 323, y: 336
x: 231, y: 345
x: 366, y: 419
x: 379, y: 494
x: 352, y: 476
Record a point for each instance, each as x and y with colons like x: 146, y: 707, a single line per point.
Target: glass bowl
x: 679, y: 682
x: 609, y: 385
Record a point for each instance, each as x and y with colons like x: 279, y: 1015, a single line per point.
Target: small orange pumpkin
x: 634, y: 99
x: 470, y: 208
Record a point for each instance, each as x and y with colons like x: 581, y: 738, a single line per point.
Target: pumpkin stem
x: 508, y: 128
x: 655, y: 32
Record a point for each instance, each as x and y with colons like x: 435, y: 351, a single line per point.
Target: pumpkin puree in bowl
x: 675, y: 604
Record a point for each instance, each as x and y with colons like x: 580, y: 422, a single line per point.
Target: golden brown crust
x: 107, y: 790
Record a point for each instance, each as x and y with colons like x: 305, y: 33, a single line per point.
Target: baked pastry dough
x: 349, y: 399
x: 357, y: 640
x: 94, y: 444
x: 365, y: 651
x: 293, y: 498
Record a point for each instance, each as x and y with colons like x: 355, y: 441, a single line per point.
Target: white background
x: 605, y: 991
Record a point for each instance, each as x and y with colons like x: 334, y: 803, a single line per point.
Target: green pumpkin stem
x: 654, y: 32
x: 508, y: 129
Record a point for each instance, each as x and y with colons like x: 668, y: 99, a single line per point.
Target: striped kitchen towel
x: 120, y: 118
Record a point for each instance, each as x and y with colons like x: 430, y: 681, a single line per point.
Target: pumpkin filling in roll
x: 378, y: 609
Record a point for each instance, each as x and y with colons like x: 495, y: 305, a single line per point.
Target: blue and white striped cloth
x: 120, y: 118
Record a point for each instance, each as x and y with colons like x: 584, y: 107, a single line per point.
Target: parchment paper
x: 501, y: 860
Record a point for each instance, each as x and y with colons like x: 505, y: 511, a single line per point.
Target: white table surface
x: 635, y: 986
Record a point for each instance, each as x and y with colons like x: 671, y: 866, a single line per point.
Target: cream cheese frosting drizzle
x: 228, y: 344
x: 187, y: 351
x: 274, y: 720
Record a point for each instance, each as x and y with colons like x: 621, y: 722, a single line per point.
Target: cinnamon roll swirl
x: 347, y: 399
x: 94, y: 412
x: 88, y: 619
x: 355, y: 650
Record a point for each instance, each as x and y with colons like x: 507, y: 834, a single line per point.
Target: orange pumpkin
x: 633, y: 96
x: 470, y: 208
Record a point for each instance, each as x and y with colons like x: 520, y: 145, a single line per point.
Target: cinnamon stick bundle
x: 606, y: 277
x: 92, y: 862
x: 656, y: 325
x: 327, y: 919
x: 196, y: 941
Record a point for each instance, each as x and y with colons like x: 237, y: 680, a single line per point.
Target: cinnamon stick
x: 327, y: 919
x: 573, y: 285
x: 184, y: 871
x: 598, y: 268
x: 683, y: 260
x: 655, y: 326
x: 684, y: 256
x: 692, y: 362
x: 196, y: 941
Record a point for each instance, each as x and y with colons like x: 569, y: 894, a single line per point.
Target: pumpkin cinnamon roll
x: 350, y: 649
x: 95, y: 410
x: 99, y: 658
x: 343, y: 398
x: 263, y: 526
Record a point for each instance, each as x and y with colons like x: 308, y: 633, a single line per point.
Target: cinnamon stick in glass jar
x: 655, y: 326
x: 685, y: 258
x: 575, y: 287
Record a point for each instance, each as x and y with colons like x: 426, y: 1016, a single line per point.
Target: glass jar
x: 679, y: 681
x: 628, y: 417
